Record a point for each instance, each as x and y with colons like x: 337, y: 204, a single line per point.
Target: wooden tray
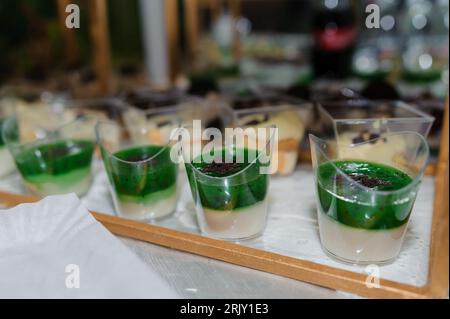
x: 307, y: 271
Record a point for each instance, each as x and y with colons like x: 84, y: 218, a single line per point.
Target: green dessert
x: 61, y: 166
x: 362, y: 215
x: 143, y: 180
x: 231, y: 195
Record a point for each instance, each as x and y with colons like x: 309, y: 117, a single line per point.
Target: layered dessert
x: 291, y: 128
x: 6, y: 160
x: 57, y: 167
x: 33, y: 110
x: 153, y: 111
x: 362, y: 121
x: 143, y: 181
x: 378, y: 149
x: 361, y: 217
x: 231, y: 198
x: 158, y: 123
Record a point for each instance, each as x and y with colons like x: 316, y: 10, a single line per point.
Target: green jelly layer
x: 239, y: 191
x: 377, y: 211
x: 135, y: 179
x: 63, y: 181
x: 150, y: 198
x: 66, y: 160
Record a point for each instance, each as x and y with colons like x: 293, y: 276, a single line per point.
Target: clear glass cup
x: 212, y: 113
x: 230, y: 184
x: 207, y: 113
x: 52, y: 161
x: 356, y: 121
x: 142, y: 174
x: 101, y: 109
x: 365, y: 194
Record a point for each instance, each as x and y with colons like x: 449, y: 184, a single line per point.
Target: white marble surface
x: 291, y: 230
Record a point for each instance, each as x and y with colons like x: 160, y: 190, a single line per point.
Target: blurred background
x: 311, y: 50
x: 276, y: 42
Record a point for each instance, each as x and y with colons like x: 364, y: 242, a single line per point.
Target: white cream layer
x: 7, y: 165
x: 360, y: 245
x: 238, y: 224
x: 44, y: 189
x: 142, y: 211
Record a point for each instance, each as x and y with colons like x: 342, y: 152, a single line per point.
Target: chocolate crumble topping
x: 221, y: 168
x: 365, y: 180
x: 365, y: 136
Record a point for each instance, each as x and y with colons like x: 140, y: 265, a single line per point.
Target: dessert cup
x: 229, y: 184
x: 159, y: 122
x: 353, y: 122
x: 106, y: 109
x: 142, y: 175
x: 101, y: 109
x: 52, y: 162
x: 36, y: 107
x: 291, y: 122
x: 364, y: 204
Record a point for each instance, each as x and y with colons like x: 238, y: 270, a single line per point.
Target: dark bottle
x: 335, y: 32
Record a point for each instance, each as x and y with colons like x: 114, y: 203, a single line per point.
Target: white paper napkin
x: 56, y: 249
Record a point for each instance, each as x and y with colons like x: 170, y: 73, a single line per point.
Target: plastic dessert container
x: 291, y: 121
x: 36, y: 106
x: 52, y: 162
x: 230, y: 185
x: 159, y: 122
x: 142, y: 175
x: 103, y: 108
x: 355, y: 121
x: 363, y: 201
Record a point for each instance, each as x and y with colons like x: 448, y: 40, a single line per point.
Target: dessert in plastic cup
x: 160, y: 122
x: 364, y: 206
x: 54, y: 162
x: 290, y: 121
x: 230, y: 185
x: 359, y: 120
x: 142, y: 176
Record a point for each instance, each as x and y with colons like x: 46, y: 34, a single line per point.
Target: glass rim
x: 49, y: 134
x: 280, y: 99
x: 268, y: 144
x: 307, y: 106
x: 100, y: 144
x: 419, y: 115
x: 316, y: 140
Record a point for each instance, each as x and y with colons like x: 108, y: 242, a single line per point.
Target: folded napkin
x: 55, y: 249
